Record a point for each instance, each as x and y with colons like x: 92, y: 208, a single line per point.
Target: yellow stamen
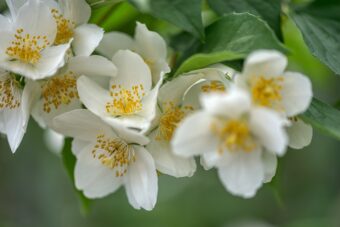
x: 27, y: 48
x: 64, y: 28
x: 213, y: 86
x: 114, y: 154
x: 59, y: 90
x: 9, y: 94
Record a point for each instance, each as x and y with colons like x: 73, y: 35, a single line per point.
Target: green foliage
x: 269, y: 11
x: 232, y: 37
x: 69, y: 161
x: 324, y: 118
x: 319, y: 23
x: 186, y: 14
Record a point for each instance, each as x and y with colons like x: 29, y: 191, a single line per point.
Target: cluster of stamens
x: 114, y: 154
x: 125, y: 101
x: 65, y: 28
x: 27, y: 48
x: 267, y: 91
x: 234, y: 135
x: 213, y: 86
x: 170, y: 119
x: 9, y: 97
x: 59, y: 90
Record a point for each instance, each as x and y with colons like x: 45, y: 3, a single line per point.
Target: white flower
x: 240, y: 141
x: 108, y: 158
x: 15, y: 107
x: 59, y: 93
x: 289, y: 93
x: 149, y: 45
x: 71, y: 19
x: 27, y: 47
x: 130, y: 99
x: 174, y: 104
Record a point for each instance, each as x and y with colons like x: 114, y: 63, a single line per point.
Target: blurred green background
x: 36, y: 191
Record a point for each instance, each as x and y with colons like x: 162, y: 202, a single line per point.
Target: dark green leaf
x: 185, y: 14
x: 268, y: 10
x: 324, y: 118
x: 232, y: 37
x: 320, y: 27
x: 69, y: 161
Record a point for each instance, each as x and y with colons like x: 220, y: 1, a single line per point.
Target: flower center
x: 114, y: 154
x: 27, y: 48
x: 213, y: 86
x: 170, y: 119
x: 267, y: 91
x: 234, y: 135
x: 9, y: 93
x: 59, y: 90
x: 125, y: 101
x: 64, y: 28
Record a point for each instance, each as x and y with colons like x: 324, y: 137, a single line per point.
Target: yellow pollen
x: 114, y: 154
x: 59, y: 90
x: 234, y: 135
x: 9, y: 93
x: 27, y: 48
x: 64, y: 28
x: 213, y: 86
x: 125, y: 101
x: 267, y: 91
x: 170, y: 119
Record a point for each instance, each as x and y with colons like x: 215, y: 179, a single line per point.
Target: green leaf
x: 185, y: 14
x: 320, y: 27
x: 232, y: 37
x: 69, y: 161
x: 270, y: 11
x: 323, y: 117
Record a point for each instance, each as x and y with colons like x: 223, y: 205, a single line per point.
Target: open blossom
x: 27, y: 42
x: 130, y: 99
x: 108, y: 158
x: 241, y: 141
x: 149, y: 45
x: 15, y: 107
x: 289, y: 93
x: 174, y: 105
x: 59, y: 93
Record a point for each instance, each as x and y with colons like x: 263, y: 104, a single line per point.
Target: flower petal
x: 268, y: 127
x: 86, y: 39
x: 78, y: 145
x: 194, y: 137
x: 269, y: 165
x: 5, y: 23
x: 14, y: 6
x: 77, y: 11
x: 296, y: 93
x: 114, y: 41
x: 264, y: 63
x: 141, y: 180
x: 81, y: 124
x: 242, y: 173
x: 300, y: 134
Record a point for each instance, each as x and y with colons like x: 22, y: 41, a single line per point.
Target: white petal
x: 296, y: 93
x: 129, y: 121
x: 114, y: 41
x: 269, y: 165
x: 81, y: 124
x: 242, y: 173
x: 231, y: 104
x: 141, y: 181
x: 86, y: 39
x: 93, y: 65
x: 5, y: 23
x: 132, y: 70
x: 93, y: 96
x: 14, y: 6
x: 78, y: 145
x: 194, y: 136
x: 91, y: 176
x: 35, y: 18
x: 268, y: 127
x: 77, y: 11
x: 167, y: 162
x: 54, y: 141
x: 300, y: 134
x: 6, y: 38
x: 264, y: 63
